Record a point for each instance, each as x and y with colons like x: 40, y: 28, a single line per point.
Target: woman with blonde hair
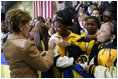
x: 21, y: 54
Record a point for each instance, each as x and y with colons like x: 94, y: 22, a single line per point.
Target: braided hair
x: 65, y: 16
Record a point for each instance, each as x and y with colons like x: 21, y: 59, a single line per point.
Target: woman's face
x: 25, y: 29
x: 91, y: 26
x: 104, y: 33
x: 59, y: 28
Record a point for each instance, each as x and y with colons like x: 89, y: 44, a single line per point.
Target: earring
x: 21, y: 29
x: 111, y: 41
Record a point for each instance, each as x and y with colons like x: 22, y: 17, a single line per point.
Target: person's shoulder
x: 29, y: 43
x: 53, y: 36
x: 74, y: 34
x: 29, y: 46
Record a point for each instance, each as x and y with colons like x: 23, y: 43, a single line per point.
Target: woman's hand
x: 43, y: 53
x: 52, y: 44
x: 64, y: 44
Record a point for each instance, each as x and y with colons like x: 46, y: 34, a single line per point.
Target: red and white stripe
x: 43, y: 8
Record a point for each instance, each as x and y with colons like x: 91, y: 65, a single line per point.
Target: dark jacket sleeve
x: 75, y: 51
x: 94, y: 52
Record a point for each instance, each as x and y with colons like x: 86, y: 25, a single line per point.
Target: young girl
x: 64, y: 38
x: 82, y: 22
x: 105, y: 62
x: 92, y: 27
x: 41, y: 39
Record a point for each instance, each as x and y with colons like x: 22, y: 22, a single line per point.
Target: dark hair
x: 96, y: 19
x: 114, y: 31
x: 65, y: 16
x: 41, y: 19
x: 111, y: 9
x: 114, y: 28
x: 60, y: 2
x: 99, y: 10
x: 49, y: 19
x: 16, y: 16
x: 41, y: 34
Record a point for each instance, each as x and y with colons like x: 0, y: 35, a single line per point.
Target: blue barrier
x: 3, y: 61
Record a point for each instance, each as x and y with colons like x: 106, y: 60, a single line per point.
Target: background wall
x: 40, y: 8
x: 25, y: 5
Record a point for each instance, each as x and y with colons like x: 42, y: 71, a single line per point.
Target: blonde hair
x: 82, y: 17
x: 92, y: 7
x: 16, y: 16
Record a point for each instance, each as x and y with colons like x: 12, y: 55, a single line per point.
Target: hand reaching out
x: 52, y: 44
x: 43, y: 53
x: 64, y: 44
x: 87, y: 38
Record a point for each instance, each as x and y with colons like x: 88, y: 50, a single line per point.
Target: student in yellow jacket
x: 92, y: 27
x: 104, y: 65
x: 64, y: 39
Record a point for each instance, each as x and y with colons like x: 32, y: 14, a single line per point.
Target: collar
x: 59, y: 36
x: 85, y: 33
x: 112, y: 45
x: 15, y: 36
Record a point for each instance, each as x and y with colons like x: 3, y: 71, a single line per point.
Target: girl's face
x: 96, y: 14
x: 32, y: 33
x: 59, y: 28
x: 91, y: 26
x: 104, y: 34
x: 48, y: 21
x: 107, y: 16
x: 82, y: 24
x: 89, y: 10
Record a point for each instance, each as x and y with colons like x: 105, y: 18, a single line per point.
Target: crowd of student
x: 80, y: 42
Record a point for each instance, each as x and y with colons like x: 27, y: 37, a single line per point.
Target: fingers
x: 64, y: 44
x: 52, y: 44
x: 79, y: 59
x: 43, y: 53
x: 88, y: 38
x: 60, y: 44
x: 76, y: 62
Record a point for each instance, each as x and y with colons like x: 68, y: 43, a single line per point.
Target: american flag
x: 43, y: 8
